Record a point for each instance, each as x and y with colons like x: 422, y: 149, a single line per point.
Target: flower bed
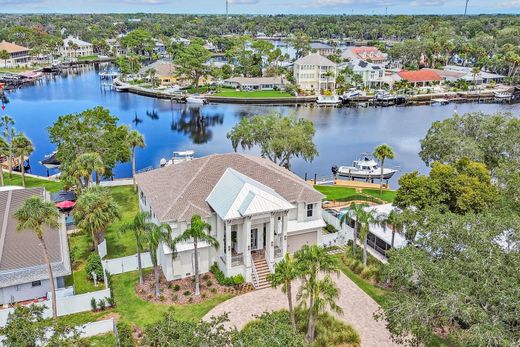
x: 182, y: 291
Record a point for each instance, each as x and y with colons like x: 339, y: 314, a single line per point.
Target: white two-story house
x: 315, y: 72
x: 73, y: 47
x: 257, y: 210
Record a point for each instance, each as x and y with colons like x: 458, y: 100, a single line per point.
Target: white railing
x: 268, y: 259
x: 278, y: 252
x: 237, y: 259
x: 126, y: 264
x: 256, y: 281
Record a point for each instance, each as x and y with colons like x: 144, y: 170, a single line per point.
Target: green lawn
x: 80, y: 247
x: 88, y: 57
x: 14, y: 69
x: 341, y: 193
x: 105, y: 340
x: 137, y: 311
x: 388, y: 195
x: 16, y: 180
x: 254, y: 94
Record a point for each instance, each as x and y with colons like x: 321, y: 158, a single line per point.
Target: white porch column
x: 228, y: 245
x: 284, y: 233
x: 247, y: 248
x: 270, y: 239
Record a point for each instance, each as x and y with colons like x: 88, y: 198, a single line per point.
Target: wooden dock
x: 350, y: 184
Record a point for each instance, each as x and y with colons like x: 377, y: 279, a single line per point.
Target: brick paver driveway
x: 358, y: 310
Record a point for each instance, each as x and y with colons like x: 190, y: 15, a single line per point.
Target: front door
x: 254, y: 239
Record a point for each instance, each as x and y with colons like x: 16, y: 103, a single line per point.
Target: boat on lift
x: 178, y: 157
x: 365, y: 168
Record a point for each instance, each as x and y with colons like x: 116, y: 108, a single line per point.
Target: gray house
x: 23, y: 271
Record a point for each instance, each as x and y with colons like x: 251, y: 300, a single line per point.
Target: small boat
x: 51, y: 161
x: 439, y: 102
x: 328, y: 100
x: 178, y: 157
x: 503, y: 95
x: 353, y: 93
x: 365, y: 168
x: 383, y: 95
x: 196, y: 99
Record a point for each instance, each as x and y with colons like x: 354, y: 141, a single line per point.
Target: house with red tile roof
x: 367, y: 53
x: 420, y: 78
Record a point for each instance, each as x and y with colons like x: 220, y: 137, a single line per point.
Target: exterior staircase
x: 262, y: 270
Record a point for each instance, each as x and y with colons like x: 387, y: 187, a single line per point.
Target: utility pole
x: 466, y: 8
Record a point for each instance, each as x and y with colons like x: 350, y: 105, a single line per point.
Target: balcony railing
x: 237, y: 259
x: 277, y: 252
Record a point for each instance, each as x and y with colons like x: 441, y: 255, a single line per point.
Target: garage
x: 296, y: 242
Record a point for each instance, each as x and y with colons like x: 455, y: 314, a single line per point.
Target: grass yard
x: 340, y: 193
x: 88, y: 57
x: 105, y: 340
x: 388, y: 195
x: 80, y: 247
x: 254, y: 94
x: 136, y: 311
x: 31, y: 182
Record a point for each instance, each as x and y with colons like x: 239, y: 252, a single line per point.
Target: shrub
x: 238, y: 279
x: 102, y: 304
x: 149, y: 296
x: 124, y: 335
x: 186, y: 293
x: 94, y: 265
x: 93, y: 304
x: 333, y: 332
x: 162, y: 298
x: 175, y: 297
x: 176, y: 287
x: 219, y: 275
x: 205, y: 277
x: 110, y: 301
x: 204, y: 295
x: 190, y: 300
x: 209, y: 283
x: 213, y: 290
x: 170, y: 285
x: 331, y: 229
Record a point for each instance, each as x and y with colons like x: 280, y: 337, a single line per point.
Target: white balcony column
x: 270, y: 239
x: 284, y: 233
x: 228, y: 245
x: 247, y: 248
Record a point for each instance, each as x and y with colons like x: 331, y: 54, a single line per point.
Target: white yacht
x: 178, y: 157
x: 328, y: 100
x: 196, y: 99
x: 383, y: 95
x: 353, y: 93
x: 365, y: 168
x: 503, y: 95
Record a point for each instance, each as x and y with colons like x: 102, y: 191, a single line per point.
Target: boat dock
x: 358, y: 185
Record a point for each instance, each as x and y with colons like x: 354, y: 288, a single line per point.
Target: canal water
x: 342, y: 134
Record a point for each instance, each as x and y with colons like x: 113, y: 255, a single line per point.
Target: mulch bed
x: 182, y: 291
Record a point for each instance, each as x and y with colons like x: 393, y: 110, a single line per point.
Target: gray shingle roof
x: 177, y: 192
x: 314, y: 59
x: 21, y: 256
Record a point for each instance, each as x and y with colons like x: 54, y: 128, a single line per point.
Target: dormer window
x: 310, y: 208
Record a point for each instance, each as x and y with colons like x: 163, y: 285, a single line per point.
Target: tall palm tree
x: 344, y: 219
x: 95, y: 210
x: 158, y: 234
x: 284, y: 273
x: 392, y: 219
x: 310, y: 262
x: 86, y: 164
x: 4, y: 151
x: 197, y: 232
x: 363, y: 217
x: 135, y: 139
x: 381, y: 153
x: 6, y: 122
x: 140, y: 225
x: 22, y: 148
x: 475, y: 71
x: 39, y: 216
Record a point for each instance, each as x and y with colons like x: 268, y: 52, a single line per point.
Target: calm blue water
x: 341, y: 133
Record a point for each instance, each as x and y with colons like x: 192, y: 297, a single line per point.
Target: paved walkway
x: 358, y: 310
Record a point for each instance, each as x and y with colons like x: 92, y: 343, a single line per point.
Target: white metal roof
x: 236, y: 195
x: 295, y: 226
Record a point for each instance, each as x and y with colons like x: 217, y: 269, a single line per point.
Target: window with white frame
x: 310, y: 210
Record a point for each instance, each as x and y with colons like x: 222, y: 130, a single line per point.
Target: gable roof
x: 177, y: 192
x: 21, y: 256
x: 161, y: 67
x: 76, y: 41
x: 12, y: 47
x: 423, y: 75
x: 235, y: 195
x: 314, y: 59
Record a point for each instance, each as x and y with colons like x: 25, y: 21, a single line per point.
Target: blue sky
x: 264, y: 6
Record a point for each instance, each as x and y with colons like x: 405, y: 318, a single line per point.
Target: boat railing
x: 146, y: 169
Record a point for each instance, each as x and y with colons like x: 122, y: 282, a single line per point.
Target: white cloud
x: 510, y: 4
x: 427, y: 3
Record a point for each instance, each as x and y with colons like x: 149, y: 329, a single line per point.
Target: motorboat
x: 178, y: 157
x: 196, y: 99
x: 328, y: 100
x: 440, y: 102
x: 51, y: 161
x: 353, y: 93
x: 503, y: 95
x: 383, y: 95
x: 365, y: 168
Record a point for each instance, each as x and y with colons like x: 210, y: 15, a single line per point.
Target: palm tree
x: 82, y: 168
x: 310, y: 262
x: 284, y: 273
x: 4, y: 55
x: 139, y: 226
x: 135, y: 139
x: 381, y: 153
x: 475, y: 71
x: 4, y: 151
x: 158, y: 234
x: 197, y: 232
x: 151, y: 73
x: 22, y: 148
x: 363, y: 217
x: 392, y: 219
x: 6, y: 122
x: 95, y: 210
x: 39, y: 216
x: 344, y: 219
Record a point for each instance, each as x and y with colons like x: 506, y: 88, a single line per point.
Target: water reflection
x: 137, y: 120
x: 191, y: 122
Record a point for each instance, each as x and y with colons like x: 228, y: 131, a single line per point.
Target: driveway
x: 358, y: 310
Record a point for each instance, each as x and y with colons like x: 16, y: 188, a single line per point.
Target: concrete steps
x: 262, y: 269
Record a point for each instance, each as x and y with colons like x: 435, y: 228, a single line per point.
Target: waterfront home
x: 23, y: 270
x: 115, y: 47
x: 483, y: 77
x: 258, y: 211
x: 366, y: 53
x: 373, y: 75
x: 322, y: 49
x: 256, y: 83
x: 18, y: 55
x: 73, y: 47
x: 164, y: 72
x: 314, y: 72
x: 420, y: 78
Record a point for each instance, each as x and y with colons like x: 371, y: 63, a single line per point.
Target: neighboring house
x: 373, y: 75
x: 116, y: 48
x: 255, y: 83
x: 366, y: 53
x: 420, y: 78
x: 159, y: 48
x: 312, y: 73
x: 17, y: 54
x: 23, y: 270
x: 258, y: 211
x: 322, y: 48
x: 483, y: 77
x: 73, y: 47
x: 164, y: 72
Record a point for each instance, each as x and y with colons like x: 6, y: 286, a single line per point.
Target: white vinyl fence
x: 102, y: 249
x: 66, y: 305
x: 340, y: 238
x: 126, y: 264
